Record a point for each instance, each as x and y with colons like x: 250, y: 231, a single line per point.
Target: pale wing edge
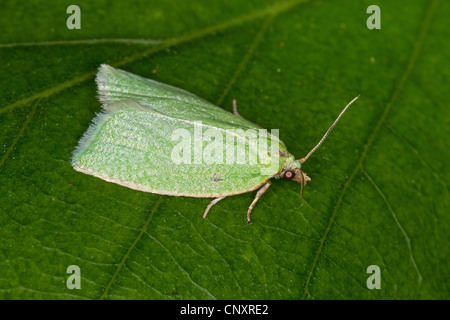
x: 89, y: 135
x: 166, y: 193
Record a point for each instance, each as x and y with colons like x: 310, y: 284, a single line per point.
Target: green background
x: 379, y: 190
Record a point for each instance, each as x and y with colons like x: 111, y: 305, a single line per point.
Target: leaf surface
x: 379, y: 190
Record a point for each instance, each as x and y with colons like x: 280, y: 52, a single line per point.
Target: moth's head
x: 296, y: 174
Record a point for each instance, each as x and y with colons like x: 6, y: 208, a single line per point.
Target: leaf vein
x: 359, y: 166
x: 210, y: 30
x: 127, y: 254
x: 394, y: 215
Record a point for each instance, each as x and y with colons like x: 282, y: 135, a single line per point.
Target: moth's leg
x: 236, y: 113
x: 210, y: 206
x: 259, y: 194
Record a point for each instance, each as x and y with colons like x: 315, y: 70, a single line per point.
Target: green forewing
x: 130, y: 142
x: 116, y: 85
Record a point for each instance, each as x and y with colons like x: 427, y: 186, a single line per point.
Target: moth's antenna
x: 302, y: 160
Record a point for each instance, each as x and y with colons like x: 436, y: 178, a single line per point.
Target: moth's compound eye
x: 289, y: 175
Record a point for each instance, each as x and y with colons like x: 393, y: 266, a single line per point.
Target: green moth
x: 135, y: 142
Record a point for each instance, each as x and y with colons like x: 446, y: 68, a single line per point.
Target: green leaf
x: 379, y: 191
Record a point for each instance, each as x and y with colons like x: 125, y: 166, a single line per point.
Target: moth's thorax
x: 290, y: 163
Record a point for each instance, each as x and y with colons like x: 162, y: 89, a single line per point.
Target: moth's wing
x: 132, y: 145
x: 115, y: 85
